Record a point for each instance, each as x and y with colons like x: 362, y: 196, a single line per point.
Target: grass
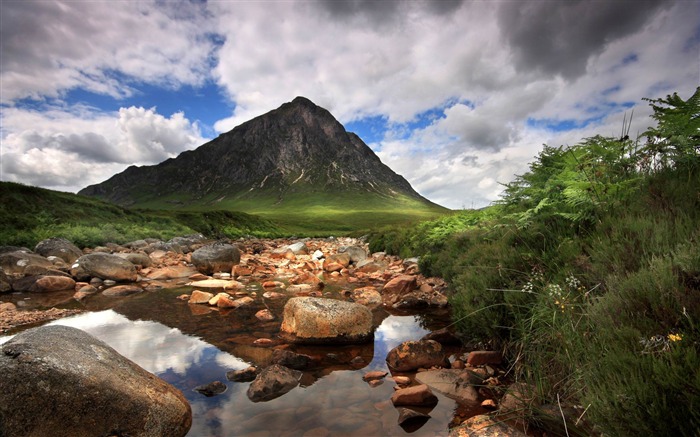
x: 587, y: 275
x: 31, y: 214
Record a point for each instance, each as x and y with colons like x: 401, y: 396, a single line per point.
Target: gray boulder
x: 136, y: 258
x: 61, y: 381
x: 273, y: 382
x: 299, y: 248
x: 313, y: 320
x: 217, y: 257
x: 107, y: 266
x: 17, y: 261
x: 59, y: 247
x: 356, y: 253
x: 43, y: 284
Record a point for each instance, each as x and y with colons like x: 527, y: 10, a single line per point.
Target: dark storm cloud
x: 558, y: 37
x: 382, y: 11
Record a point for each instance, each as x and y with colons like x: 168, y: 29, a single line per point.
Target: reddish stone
x: 377, y: 374
x: 199, y: 296
x: 478, y: 358
x: 419, y: 395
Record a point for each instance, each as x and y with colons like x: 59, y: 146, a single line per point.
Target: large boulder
x: 413, y: 355
x: 273, y: 382
x: 43, y: 284
x: 317, y: 321
x: 59, y: 247
x: 107, y: 266
x: 136, y: 258
x: 356, y: 253
x: 61, y: 381
x: 216, y: 257
x: 16, y: 262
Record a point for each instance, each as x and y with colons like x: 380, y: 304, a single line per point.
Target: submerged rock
x: 211, y: 389
x: 61, y: 381
x: 319, y: 320
x: 273, y: 382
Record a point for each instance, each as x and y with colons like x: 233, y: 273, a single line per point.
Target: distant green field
x: 30, y: 214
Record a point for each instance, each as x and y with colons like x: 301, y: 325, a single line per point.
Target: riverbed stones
x: 16, y: 261
x: 450, y: 383
x: 199, y: 297
x: 356, y: 253
x: 43, y: 284
x: 216, y: 258
x: 314, y: 320
x: 107, y: 266
x: 61, y: 381
x: 212, y: 389
x: 413, y: 355
x: 396, y: 288
x: 417, y: 396
x: 122, y: 290
x: 273, y: 382
x: 59, y: 247
x: 485, y: 426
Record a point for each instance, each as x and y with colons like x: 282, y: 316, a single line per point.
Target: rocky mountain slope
x: 297, y: 153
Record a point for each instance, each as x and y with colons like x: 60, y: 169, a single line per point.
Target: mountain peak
x: 297, y: 151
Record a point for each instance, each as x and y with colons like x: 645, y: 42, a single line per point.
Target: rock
x: 411, y: 420
x: 4, y: 282
x: 61, y: 381
x: 17, y: 261
x: 395, y: 289
x: 307, y: 278
x: 122, y: 290
x: 412, y: 355
x: 319, y: 321
x: 417, y: 395
x: 43, y: 284
x: 479, y: 358
x: 291, y: 359
x: 211, y: 389
x: 518, y: 400
x: 171, y: 272
x: 137, y: 259
x: 226, y: 284
x: 273, y: 382
x: 43, y: 271
x: 225, y: 301
x: 298, y: 248
x: 59, y: 247
x: 402, y: 380
x: 356, y: 253
x: 342, y: 259
x: 137, y: 244
x: 264, y: 315
x: 370, y: 266
x: 485, y: 426
x: 367, y: 296
x: 185, y: 244
x: 199, y: 296
x: 217, y: 257
x: 317, y: 255
x: 449, y: 383
x: 331, y: 266
x: 243, y: 375
x: 377, y: 374
x: 107, y: 266
x: 442, y: 336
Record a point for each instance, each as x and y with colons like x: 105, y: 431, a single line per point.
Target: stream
x: 192, y: 345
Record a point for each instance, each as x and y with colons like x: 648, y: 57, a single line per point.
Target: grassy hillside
x: 30, y: 214
x: 314, y: 213
x: 587, y: 275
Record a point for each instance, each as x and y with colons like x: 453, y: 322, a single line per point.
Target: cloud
x: 560, y: 37
x: 51, y: 47
x: 70, y: 148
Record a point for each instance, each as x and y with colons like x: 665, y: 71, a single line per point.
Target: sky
x: 456, y: 96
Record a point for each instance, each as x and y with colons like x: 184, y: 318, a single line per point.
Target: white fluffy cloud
x: 504, y: 78
x: 51, y: 47
x: 68, y: 149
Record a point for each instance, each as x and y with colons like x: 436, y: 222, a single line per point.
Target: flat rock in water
x: 122, y: 290
x: 318, y: 321
x: 412, y: 355
x: 226, y: 284
x: 107, y: 266
x: 211, y: 389
x: 65, y: 371
x: 450, y: 383
x: 485, y: 426
x: 273, y: 382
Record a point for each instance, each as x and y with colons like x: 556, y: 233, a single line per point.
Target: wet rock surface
x: 64, y: 370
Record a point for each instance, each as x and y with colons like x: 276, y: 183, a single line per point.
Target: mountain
x: 293, y: 158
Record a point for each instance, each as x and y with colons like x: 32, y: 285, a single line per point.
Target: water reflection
x: 332, y: 400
